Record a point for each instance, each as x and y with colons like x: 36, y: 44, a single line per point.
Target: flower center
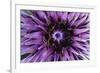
x: 57, y: 36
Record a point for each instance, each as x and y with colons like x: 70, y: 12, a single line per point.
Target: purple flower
x: 54, y: 36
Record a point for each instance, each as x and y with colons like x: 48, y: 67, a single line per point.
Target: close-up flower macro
x: 48, y: 36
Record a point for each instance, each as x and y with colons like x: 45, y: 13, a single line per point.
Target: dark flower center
x: 59, y: 36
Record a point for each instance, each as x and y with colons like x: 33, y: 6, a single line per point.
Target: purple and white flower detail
x: 54, y: 36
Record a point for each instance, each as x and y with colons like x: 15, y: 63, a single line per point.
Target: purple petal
x: 35, y: 35
x: 74, y: 19
x: 42, y: 15
x: 79, y: 46
x: 32, y: 42
x: 39, y: 22
x: 79, y: 39
x: 66, y: 55
x: 71, y: 16
x: 27, y: 20
x: 80, y: 21
x: 27, y: 49
x: 53, y: 16
x: 79, y: 31
x: 74, y: 51
x: 64, y: 16
x: 84, y: 36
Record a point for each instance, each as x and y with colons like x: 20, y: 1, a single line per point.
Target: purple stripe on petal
x: 64, y: 16
x: 52, y: 16
x: 25, y: 60
x: 79, y: 31
x: 78, y: 46
x: 74, y: 51
x: 74, y: 19
x: 27, y: 49
x: 42, y: 15
x: 56, y: 57
x: 84, y: 36
x: 29, y: 27
x: 66, y: 55
x: 45, y: 54
x: 59, y: 14
x: 79, y: 39
x: 84, y: 56
x: 28, y: 21
x: 35, y: 35
x: 80, y: 21
x: 34, y: 57
x: 71, y: 16
x: 71, y: 56
x: 39, y: 22
x: 32, y: 42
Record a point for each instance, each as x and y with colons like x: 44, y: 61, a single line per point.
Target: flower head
x: 54, y: 36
